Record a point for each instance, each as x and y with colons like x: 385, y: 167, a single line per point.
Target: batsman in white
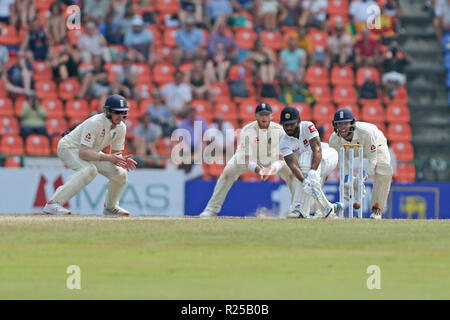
x: 258, y: 152
x: 304, y: 153
x: 349, y: 131
x: 81, y: 150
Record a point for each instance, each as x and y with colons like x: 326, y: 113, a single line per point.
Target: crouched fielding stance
x: 258, y: 152
x: 303, y: 152
x: 81, y: 150
x: 349, y: 131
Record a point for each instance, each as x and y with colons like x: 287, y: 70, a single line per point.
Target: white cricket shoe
x: 376, y: 212
x: 55, y: 208
x: 376, y: 215
x: 117, y: 211
x: 295, y: 213
x: 208, y: 214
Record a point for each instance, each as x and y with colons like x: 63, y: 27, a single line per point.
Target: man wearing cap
x: 190, y: 41
x: 258, y: 151
x: 339, y: 47
x: 81, y: 150
x: 310, y: 162
x: 139, y: 42
x: 349, y: 131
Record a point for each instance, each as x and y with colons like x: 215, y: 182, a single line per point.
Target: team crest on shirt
x: 88, y: 137
x: 103, y: 133
x: 305, y: 142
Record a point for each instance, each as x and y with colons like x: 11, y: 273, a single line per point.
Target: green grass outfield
x: 190, y: 258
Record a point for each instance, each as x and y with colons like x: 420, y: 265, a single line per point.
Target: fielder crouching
x: 258, y: 152
x: 81, y: 150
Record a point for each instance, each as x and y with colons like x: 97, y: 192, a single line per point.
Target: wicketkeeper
x: 349, y: 131
x: 81, y: 150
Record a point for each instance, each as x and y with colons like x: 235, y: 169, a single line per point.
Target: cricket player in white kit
x: 258, y: 152
x: 81, y: 150
x: 304, y: 153
x: 349, y: 131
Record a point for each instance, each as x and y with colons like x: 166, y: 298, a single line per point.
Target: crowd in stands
x: 180, y: 60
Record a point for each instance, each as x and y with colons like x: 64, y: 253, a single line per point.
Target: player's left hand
x: 131, y: 163
x: 313, y: 176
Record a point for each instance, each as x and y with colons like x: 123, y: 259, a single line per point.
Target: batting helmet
x: 116, y: 103
x: 344, y: 115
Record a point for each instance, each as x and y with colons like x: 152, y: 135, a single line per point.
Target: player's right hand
x: 118, y: 159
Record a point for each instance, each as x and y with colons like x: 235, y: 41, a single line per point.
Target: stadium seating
x: 12, y: 162
x: 333, y: 88
x: 11, y: 144
x: 37, y: 145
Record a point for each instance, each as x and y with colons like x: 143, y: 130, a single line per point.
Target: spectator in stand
x: 95, y: 10
x: 18, y: 79
x: 217, y: 67
x: 192, y: 8
x: 145, y: 136
x: 392, y: 8
x: 34, y: 43
x: 360, y: 12
x: 24, y: 12
x: 189, y: 42
x: 339, y: 47
x: 367, y: 51
x: 64, y: 61
x: 55, y: 28
x: 261, y: 61
x: 293, y: 61
x: 193, y: 142
x: 126, y: 21
x: 394, y: 69
x: 95, y: 82
x: 290, y: 13
x: 178, y: 95
x: 387, y: 30
x: 217, y: 8
x: 7, y: 12
x: 118, y: 8
x: 161, y: 115
x: 110, y: 30
x: 192, y: 137
x: 125, y: 80
x: 223, y: 129
x: 302, y: 39
x: 4, y: 58
x: 266, y: 12
x: 314, y: 13
x: 32, y: 119
x: 92, y: 43
x: 442, y: 18
x: 218, y: 36
x: 239, y: 5
x: 197, y: 80
x: 139, y: 43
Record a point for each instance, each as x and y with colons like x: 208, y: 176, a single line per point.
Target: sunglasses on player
x: 120, y: 113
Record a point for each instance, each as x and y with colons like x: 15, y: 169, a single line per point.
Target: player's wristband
x: 252, y: 166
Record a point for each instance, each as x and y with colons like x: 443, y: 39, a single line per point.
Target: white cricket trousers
x: 231, y: 173
x: 383, y: 178
x: 86, y: 171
